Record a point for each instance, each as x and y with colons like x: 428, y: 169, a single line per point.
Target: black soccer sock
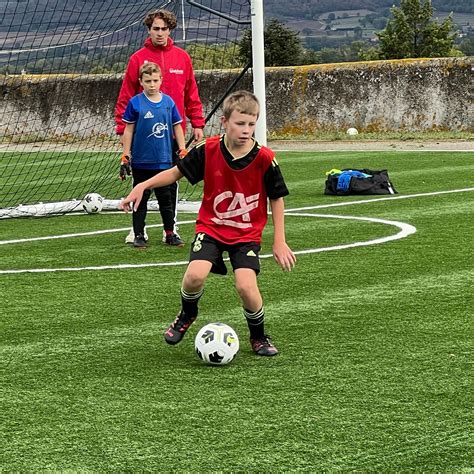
x: 189, y: 302
x: 255, y: 321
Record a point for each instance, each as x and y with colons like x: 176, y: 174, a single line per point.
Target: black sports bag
x: 360, y: 181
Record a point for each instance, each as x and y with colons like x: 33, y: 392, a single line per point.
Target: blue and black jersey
x: 153, y: 135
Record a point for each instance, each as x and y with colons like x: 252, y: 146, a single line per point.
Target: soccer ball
x: 92, y: 203
x: 216, y: 344
x: 352, y: 131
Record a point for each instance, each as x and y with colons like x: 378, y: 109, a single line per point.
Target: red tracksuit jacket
x: 178, y: 82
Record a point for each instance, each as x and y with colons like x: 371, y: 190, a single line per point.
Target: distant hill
x: 22, y: 15
x: 311, y: 9
x: 328, y: 23
x: 299, y: 9
x: 99, y: 35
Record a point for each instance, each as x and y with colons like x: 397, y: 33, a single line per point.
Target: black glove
x: 125, y: 168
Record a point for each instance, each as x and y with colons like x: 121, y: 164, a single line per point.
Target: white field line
x: 308, y: 208
x: 462, y: 147
x: 431, y: 149
x: 390, y: 198
x: 371, y: 150
x: 82, y: 234
x: 92, y: 268
x: 404, y: 231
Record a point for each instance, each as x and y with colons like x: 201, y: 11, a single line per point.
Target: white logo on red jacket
x: 240, y: 206
x: 176, y: 71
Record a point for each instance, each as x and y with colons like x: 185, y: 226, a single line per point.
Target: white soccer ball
x: 352, y: 131
x: 92, y: 203
x: 216, y: 344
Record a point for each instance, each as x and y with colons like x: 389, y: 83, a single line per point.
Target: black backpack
x: 360, y: 181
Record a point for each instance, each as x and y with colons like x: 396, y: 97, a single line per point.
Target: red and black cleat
x: 263, y: 347
x: 178, y: 328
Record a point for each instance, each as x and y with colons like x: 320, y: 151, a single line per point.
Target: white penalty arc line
x: 405, y: 231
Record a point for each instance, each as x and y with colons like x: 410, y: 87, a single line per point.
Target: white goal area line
x: 404, y: 231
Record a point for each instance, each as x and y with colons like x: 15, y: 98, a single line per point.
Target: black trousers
x: 164, y: 197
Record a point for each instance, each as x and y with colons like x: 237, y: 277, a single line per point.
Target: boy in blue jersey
x: 151, y: 122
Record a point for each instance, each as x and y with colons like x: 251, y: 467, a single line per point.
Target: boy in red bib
x: 239, y: 176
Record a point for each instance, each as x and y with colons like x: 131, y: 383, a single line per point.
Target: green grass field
x: 375, y: 341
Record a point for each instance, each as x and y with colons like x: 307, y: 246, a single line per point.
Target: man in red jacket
x: 178, y: 76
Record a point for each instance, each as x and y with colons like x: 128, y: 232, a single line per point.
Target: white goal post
x: 258, y: 68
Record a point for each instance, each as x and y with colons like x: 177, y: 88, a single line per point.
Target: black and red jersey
x: 234, y: 205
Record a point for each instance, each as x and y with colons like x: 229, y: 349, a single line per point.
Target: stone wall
x: 398, y: 95
x: 414, y: 94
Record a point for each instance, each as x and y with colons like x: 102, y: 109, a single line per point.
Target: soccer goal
x: 54, y: 53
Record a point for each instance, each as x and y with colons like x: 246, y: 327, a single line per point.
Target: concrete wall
x: 421, y: 94
x: 373, y: 96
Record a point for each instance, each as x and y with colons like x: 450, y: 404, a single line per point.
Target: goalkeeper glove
x: 182, y: 153
x: 125, y: 168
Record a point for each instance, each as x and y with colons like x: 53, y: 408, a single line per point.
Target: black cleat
x: 139, y: 241
x: 178, y: 328
x: 174, y: 240
x: 263, y: 347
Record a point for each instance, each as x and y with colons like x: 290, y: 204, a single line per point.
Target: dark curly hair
x: 168, y: 17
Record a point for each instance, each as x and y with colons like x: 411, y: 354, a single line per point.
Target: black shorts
x: 242, y: 255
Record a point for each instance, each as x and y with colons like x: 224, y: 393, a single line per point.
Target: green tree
x: 98, y: 69
x: 412, y: 33
x: 467, y: 46
x: 282, y: 45
x: 368, y: 53
x: 214, y: 56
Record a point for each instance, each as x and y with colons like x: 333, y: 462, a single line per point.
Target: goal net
x: 61, y: 64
